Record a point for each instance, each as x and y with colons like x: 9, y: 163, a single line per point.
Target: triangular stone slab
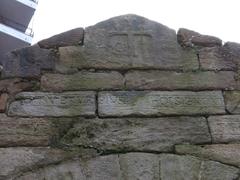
x: 127, y: 42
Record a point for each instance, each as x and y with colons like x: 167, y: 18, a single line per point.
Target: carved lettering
x: 54, y: 104
x: 160, y: 102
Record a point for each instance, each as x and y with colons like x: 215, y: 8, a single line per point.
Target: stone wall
x: 125, y: 99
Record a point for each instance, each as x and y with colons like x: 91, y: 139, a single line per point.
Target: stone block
x: 216, y: 171
x: 139, y: 166
x: 224, y: 153
x: 40, y: 104
x: 191, y: 38
x: 16, y: 85
x: 225, y: 129
x: 159, y: 103
x: 68, y: 38
x: 3, y: 102
x: 82, y: 81
x: 188, y: 168
x: 104, y: 167
x: 220, y: 58
x: 174, y: 167
x: 137, y: 134
x: 126, y: 42
x: 25, y: 131
x: 15, y: 160
x: 28, y: 62
x: 169, y: 80
x: 70, y: 170
x: 232, y: 99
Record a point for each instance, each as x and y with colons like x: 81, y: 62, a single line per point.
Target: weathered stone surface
x: 27, y: 62
x: 168, y: 80
x: 137, y: 134
x: 233, y: 50
x: 139, y: 166
x: 82, y: 81
x: 25, y: 131
x: 191, y: 38
x: 179, y: 167
x: 220, y: 58
x: 211, y: 170
x: 232, y: 99
x: 224, y: 153
x: 188, y: 168
x: 3, y: 102
x: 100, y: 168
x: 15, y: 160
x: 68, y: 38
x: 225, y: 129
x: 104, y: 167
x: 214, y: 58
x: 16, y: 85
x: 70, y: 170
x: 159, y: 103
x: 41, y: 104
x: 126, y: 42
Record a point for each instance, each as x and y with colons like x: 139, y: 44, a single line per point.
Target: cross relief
x: 130, y: 43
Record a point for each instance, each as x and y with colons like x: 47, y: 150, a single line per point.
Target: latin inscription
x: 161, y: 103
x: 53, y: 104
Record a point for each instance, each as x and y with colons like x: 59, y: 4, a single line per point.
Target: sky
x: 219, y: 18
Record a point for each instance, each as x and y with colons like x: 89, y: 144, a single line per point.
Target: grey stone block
x: 159, y: 103
x: 40, y: 104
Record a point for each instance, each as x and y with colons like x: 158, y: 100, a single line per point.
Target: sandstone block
x: 188, y: 168
x: 16, y: 85
x: 160, y: 103
x: 179, y: 167
x: 68, y: 38
x: 168, y: 80
x: 70, y: 170
x: 126, y: 42
x: 137, y: 134
x: 137, y: 166
x: 3, y: 102
x: 191, y: 38
x: 232, y: 99
x: 27, y: 62
x: 225, y: 129
x: 216, y: 171
x: 224, y: 153
x: 220, y: 58
x: 15, y: 160
x: 82, y: 81
x: 100, y: 168
x: 25, y: 131
x: 214, y: 58
x: 41, y: 104
x: 105, y: 167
